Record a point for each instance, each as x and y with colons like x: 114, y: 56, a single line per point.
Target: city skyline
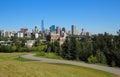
x: 97, y: 16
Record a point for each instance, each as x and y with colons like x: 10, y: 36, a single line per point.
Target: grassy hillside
x: 10, y: 67
x: 48, y: 55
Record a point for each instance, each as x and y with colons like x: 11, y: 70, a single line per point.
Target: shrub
x: 92, y: 59
x: 34, y: 48
x: 41, y: 53
x: 113, y: 64
x: 13, y: 48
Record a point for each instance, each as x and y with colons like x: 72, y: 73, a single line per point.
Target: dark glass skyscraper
x: 73, y: 28
x: 52, y: 28
x: 63, y: 29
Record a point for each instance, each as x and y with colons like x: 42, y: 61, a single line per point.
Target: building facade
x: 58, y: 30
x: 52, y: 28
x: 73, y: 29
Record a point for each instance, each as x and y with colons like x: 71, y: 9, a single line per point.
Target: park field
x: 11, y: 66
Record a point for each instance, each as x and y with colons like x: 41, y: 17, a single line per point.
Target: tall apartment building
x: 2, y: 33
x: 63, y: 29
x: 73, y: 29
x: 83, y: 32
x: 20, y: 34
x: 58, y: 30
x: 35, y: 30
x: 47, y: 31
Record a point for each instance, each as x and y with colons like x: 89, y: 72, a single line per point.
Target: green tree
x: 66, y: 50
x: 57, y: 47
x: 100, y: 57
x: 13, y: 48
x: 73, y: 48
x: 49, y: 47
x: 86, y: 50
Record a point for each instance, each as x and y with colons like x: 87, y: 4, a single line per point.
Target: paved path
x: 103, y: 68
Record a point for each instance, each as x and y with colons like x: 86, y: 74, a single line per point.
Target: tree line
x: 101, y: 48
x: 18, y: 45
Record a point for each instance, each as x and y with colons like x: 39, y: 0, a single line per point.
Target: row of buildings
x: 51, y: 34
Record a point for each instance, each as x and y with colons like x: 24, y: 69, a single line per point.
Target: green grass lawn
x: 48, y: 55
x: 11, y: 67
x: 9, y: 56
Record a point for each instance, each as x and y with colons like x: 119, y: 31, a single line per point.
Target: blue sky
x: 96, y: 16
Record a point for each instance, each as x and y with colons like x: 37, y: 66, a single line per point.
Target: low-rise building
x: 62, y: 40
x: 30, y: 43
x: 6, y: 42
x: 54, y: 37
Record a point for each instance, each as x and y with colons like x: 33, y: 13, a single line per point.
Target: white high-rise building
x: 7, y: 34
x: 35, y: 30
x: 47, y: 31
x: 2, y: 33
x: 20, y: 34
x: 83, y: 32
x: 12, y: 33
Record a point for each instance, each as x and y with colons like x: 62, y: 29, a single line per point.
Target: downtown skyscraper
x: 73, y: 29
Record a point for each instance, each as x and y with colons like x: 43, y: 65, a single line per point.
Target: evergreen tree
x: 101, y: 58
